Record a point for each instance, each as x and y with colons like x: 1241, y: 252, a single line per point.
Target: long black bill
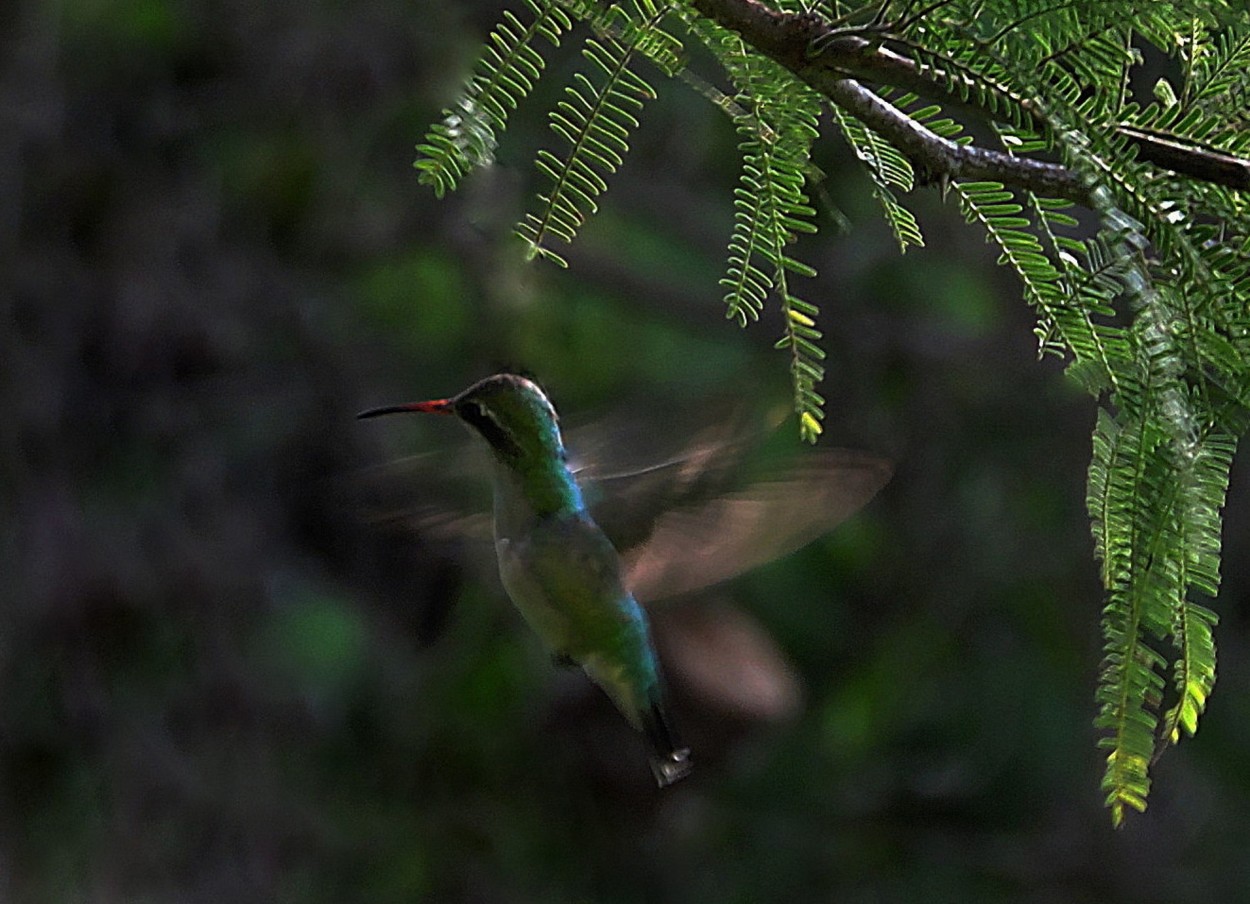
x: 436, y: 406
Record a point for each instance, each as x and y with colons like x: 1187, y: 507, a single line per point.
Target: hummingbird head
x: 511, y: 413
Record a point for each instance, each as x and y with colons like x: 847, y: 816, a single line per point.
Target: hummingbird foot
x: 671, y: 767
x: 564, y: 661
x: 670, y: 762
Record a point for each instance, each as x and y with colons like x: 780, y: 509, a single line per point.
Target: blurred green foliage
x: 222, y: 679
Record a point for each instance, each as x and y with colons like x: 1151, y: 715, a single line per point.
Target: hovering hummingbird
x: 568, y: 580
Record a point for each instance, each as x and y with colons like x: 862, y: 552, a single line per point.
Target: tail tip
x: 672, y: 767
x: 670, y: 762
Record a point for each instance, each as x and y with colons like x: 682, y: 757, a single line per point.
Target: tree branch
x: 841, y: 58
x: 937, y: 159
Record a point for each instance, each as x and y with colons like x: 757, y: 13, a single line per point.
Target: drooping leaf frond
x: 890, y: 171
x: 506, y: 72
x: 999, y: 214
x: 1131, y: 682
x: 1154, y: 481
x: 771, y: 209
x: 1087, y: 286
x: 595, y: 119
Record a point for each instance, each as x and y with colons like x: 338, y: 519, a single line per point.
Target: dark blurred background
x: 223, y: 679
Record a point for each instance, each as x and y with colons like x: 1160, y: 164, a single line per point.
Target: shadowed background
x: 222, y: 677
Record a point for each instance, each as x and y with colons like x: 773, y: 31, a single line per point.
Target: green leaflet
x: 1222, y: 69
x: 1154, y: 551
x: 595, y: 120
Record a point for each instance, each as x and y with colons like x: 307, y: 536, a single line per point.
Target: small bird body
x: 560, y: 570
x: 564, y: 577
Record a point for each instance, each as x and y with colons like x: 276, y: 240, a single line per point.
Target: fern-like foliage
x: 1143, y: 289
x: 777, y: 125
x: 1219, y: 69
x: 890, y: 171
x: 596, y: 119
x: 1171, y: 382
x: 506, y: 72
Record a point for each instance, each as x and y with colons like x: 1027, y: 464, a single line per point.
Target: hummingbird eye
x: 479, y: 417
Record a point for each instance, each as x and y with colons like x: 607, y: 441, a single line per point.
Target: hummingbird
x: 561, y: 571
x: 569, y: 581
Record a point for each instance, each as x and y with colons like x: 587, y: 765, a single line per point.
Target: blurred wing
x: 626, y: 487
x: 627, y: 469
x: 611, y: 450
x: 728, y: 659
x: 702, y: 545
x: 438, y: 524
x: 437, y: 495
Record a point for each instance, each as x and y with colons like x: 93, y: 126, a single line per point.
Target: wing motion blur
x: 698, y: 546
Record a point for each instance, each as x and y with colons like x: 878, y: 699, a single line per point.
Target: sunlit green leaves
x: 1223, y: 73
x: 595, y: 120
x: 889, y: 171
x: 778, y: 124
x: 506, y: 72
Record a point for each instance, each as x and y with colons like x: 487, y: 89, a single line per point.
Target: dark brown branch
x: 937, y: 159
x: 787, y: 38
x: 856, y: 56
x: 1198, y: 163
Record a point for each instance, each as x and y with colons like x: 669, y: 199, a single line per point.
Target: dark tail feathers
x: 670, y: 762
